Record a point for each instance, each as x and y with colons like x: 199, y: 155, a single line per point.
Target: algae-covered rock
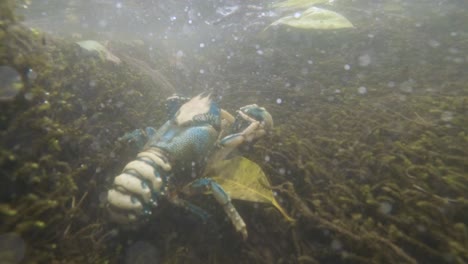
x: 60, y: 115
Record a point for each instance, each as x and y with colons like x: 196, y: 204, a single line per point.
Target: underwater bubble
x: 173, y: 18
x: 310, y: 62
x: 370, y: 35
x: 202, y: 71
x: 362, y: 90
x: 347, y: 67
x: 385, y: 207
x: 10, y: 83
x: 28, y: 96
x: 202, y: 45
x: 407, y: 86
x: 446, y: 116
x: 453, y: 34
x: 434, y: 43
x: 267, y: 158
x: 282, y: 171
x: 12, y: 248
x: 147, y: 212
x: 259, y: 52
x: 364, y: 60
x: 336, y: 245
x: 391, y: 84
x: 179, y: 54
x: 279, y: 101
x: 118, y: 5
x: 297, y: 15
x: 32, y: 75
x: 142, y: 252
x: 102, y: 23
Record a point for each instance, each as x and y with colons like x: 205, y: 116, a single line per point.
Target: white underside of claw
x: 156, y: 158
x: 134, y: 185
x: 123, y: 201
x: 146, y: 171
x: 197, y: 105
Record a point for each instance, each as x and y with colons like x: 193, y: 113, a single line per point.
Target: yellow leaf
x: 244, y: 180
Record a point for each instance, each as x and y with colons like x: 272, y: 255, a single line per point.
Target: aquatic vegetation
x: 52, y: 138
x: 370, y: 177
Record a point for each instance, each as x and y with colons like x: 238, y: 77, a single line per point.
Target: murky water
x: 368, y: 152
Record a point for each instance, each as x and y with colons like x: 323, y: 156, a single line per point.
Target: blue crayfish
x: 197, y: 132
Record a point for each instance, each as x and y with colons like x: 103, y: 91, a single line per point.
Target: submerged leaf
x: 244, y: 180
x: 315, y: 18
x: 94, y: 46
x: 293, y: 4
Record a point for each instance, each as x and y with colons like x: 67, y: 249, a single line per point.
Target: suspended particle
x: 362, y: 90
